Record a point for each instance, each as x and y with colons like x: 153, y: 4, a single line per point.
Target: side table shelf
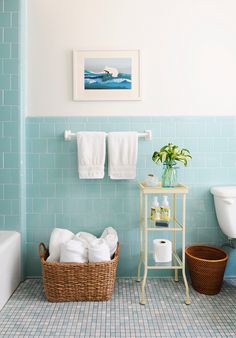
x: 147, y: 225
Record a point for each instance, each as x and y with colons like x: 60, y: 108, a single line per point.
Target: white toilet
x: 225, y: 205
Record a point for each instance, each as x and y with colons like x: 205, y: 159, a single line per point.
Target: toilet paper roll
x: 162, y: 250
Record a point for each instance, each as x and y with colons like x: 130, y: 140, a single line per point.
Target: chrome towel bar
x: 147, y: 134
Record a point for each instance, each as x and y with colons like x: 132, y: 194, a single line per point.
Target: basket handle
x: 117, y: 250
x: 42, y: 250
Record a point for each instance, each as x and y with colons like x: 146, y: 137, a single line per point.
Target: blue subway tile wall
x: 56, y: 197
x: 9, y: 116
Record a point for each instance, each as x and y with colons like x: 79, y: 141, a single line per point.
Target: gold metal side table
x: 175, y: 226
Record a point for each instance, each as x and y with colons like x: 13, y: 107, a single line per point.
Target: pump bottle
x: 165, y: 209
x: 155, y: 209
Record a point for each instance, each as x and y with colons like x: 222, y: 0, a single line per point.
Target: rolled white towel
x: 89, y: 238
x: 75, y: 251
x: 58, y: 237
x: 111, y: 238
x: 99, y: 251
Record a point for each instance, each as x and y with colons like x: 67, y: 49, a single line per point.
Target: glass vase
x: 169, y: 176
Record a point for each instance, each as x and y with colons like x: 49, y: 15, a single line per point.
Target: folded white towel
x: 58, y: 237
x: 122, y: 155
x: 99, y: 251
x: 75, y: 251
x: 111, y: 238
x: 91, y: 154
x: 86, y: 236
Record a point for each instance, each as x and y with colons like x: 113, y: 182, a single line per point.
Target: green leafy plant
x: 170, y: 154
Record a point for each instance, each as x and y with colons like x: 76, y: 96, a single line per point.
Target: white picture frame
x: 106, y: 75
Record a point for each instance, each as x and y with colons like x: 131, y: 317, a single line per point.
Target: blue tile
x: 231, y: 144
x: 5, y: 19
x: 15, y: 50
x: 14, y: 82
x: 39, y: 175
x: 12, y: 222
x: 64, y: 161
x: 5, y: 207
x: 39, y: 146
x: 4, y: 81
x: 11, y: 160
x: 54, y: 176
x: 108, y: 191
x: 33, y: 190
x: 47, y: 129
x: 33, y: 161
x: 10, y: 129
x: 5, y: 50
x: 77, y: 206
x: 47, y: 190
x: 55, y: 205
x: 11, y: 5
x: 39, y: 205
x: 11, y: 35
x: 47, y: 161
x: 32, y: 130
x: 228, y: 129
x: 55, y: 145
x: 5, y: 176
x: 15, y: 19
x: 101, y: 206
x: 5, y: 113
x: 15, y: 208
x: 11, y: 97
x: 11, y: 191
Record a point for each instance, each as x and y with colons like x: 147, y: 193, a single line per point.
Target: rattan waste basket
x: 64, y: 282
x: 206, y: 267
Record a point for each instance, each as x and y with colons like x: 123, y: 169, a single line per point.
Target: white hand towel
x: 58, y: 237
x: 91, y: 154
x: 111, y: 238
x: 74, y: 251
x: 86, y: 236
x: 122, y: 155
x: 99, y: 251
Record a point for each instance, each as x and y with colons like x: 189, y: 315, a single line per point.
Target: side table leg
x: 176, y: 278
x: 139, y: 267
x: 176, y: 275
x: 187, y: 299
x: 143, y: 298
x: 141, y: 235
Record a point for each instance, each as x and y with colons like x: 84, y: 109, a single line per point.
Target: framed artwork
x: 106, y: 75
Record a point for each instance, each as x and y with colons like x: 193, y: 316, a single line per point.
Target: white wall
x: 188, y: 52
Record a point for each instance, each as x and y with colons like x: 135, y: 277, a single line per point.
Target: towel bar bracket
x: 68, y: 135
x: 147, y: 134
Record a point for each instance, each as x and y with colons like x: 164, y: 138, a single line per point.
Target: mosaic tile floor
x: 28, y: 314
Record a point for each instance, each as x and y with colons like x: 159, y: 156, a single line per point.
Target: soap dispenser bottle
x: 165, y: 209
x: 155, y: 209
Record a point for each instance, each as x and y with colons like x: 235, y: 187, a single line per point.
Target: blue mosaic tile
x: 29, y: 314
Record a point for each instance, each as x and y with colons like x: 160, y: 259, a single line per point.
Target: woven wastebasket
x: 206, y: 266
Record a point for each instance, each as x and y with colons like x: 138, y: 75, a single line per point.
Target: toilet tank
x: 225, y: 206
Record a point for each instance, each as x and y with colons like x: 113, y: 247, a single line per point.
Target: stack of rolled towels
x: 83, y: 247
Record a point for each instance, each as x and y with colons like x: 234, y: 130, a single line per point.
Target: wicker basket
x: 206, y: 266
x: 64, y: 282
